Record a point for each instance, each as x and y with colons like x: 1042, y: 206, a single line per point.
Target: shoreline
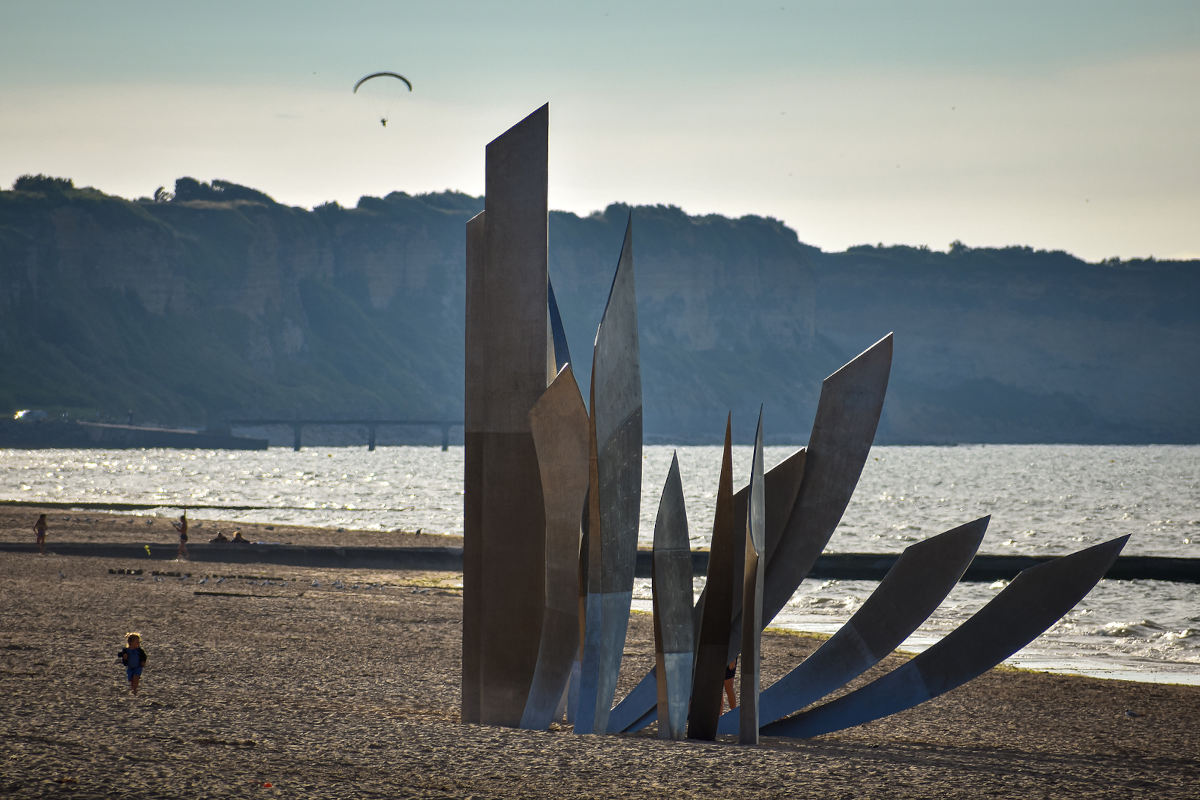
x: 345, y: 682
x: 116, y: 533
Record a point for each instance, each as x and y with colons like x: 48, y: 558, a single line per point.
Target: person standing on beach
x: 39, y: 529
x: 182, y: 527
x: 730, y: 671
x: 134, y: 658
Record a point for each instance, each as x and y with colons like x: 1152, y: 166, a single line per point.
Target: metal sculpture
x: 914, y: 586
x: 559, y: 424
x: 504, y: 528
x: 712, y: 644
x: 752, y: 595
x: 847, y: 415
x: 614, y: 495
x: 1034, y: 601
x: 671, y: 586
x: 542, y: 477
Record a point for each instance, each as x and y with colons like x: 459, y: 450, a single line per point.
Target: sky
x: 1071, y: 125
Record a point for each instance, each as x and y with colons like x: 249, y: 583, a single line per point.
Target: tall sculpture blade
x: 559, y: 423
x: 782, y: 482
x: 752, y: 588
x: 914, y: 586
x: 509, y: 326
x: 671, y: 585
x: 1033, y: 602
x: 719, y: 588
x: 473, y: 426
x: 847, y: 415
x: 614, y: 494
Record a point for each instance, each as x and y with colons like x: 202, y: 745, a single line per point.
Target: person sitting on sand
x: 134, y: 658
x: 220, y: 537
x: 182, y: 526
x: 237, y: 537
x: 39, y: 530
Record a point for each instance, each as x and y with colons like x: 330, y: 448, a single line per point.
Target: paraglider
x: 366, y: 78
x: 383, y: 120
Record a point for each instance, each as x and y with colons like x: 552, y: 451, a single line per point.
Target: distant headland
x: 212, y: 302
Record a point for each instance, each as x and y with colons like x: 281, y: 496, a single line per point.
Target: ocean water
x: 1043, y: 500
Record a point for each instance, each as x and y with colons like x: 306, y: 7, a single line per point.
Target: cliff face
x: 220, y: 303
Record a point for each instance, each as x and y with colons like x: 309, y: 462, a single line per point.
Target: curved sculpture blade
x: 614, y: 494
x: 1034, y: 601
x: 843, y: 430
x: 752, y: 594
x: 559, y: 423
x: 781, y: 484
x: 717, y: 607
x: 671, y: 580
x: 914, y: 586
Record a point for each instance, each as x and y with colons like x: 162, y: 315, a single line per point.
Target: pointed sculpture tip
x: 879, y: 352
x: 1118, y: 543
x: 539, y: 115
x: 1115, y: 546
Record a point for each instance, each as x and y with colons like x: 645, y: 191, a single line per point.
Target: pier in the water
x: 372, y: 426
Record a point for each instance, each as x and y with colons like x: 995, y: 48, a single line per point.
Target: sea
x: 1042, y: 499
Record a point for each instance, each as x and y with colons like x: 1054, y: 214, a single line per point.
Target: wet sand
x: 345, y: 683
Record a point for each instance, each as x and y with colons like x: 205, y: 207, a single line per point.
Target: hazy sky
x: 1060, y: 125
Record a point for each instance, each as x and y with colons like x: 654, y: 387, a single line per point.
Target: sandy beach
x: 308, y: 682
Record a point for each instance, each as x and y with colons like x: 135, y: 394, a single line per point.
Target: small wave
x: 1143, y: 629
x: 829, y: 603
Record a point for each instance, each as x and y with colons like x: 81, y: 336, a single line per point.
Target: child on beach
x: 39, y: 530
x: 182, y: 526
x: 134, y: 658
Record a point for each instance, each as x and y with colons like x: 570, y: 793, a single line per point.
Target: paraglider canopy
x: 366, y: 78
